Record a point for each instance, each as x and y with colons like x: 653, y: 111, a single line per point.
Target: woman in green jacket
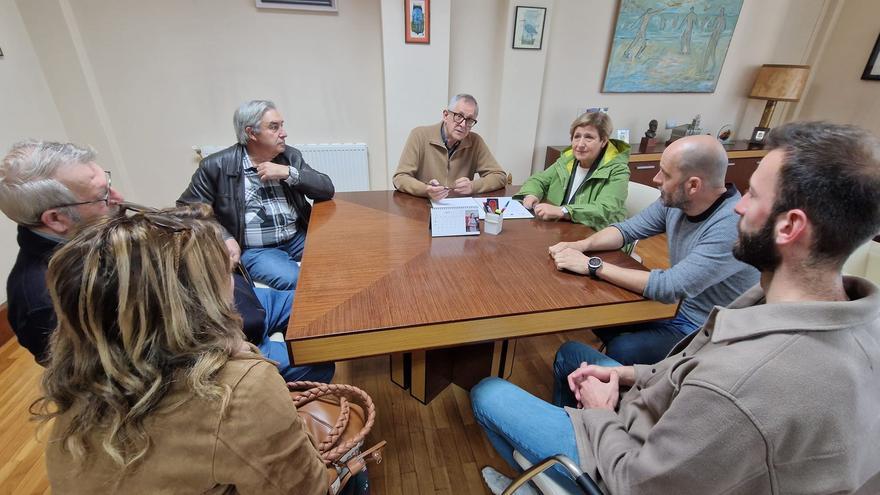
x: 589, y: 181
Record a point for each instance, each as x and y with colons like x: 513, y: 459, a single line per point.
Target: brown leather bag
x: 338, y: 417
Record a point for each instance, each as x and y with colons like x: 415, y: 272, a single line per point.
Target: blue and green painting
x: 670, y: 46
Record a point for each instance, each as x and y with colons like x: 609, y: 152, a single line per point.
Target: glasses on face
x: 105, y: 199
x: 458, y: 118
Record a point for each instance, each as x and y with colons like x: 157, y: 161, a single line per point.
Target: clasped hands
x: 543, y: 211
x: 598, y: 387
x: 437, y: 191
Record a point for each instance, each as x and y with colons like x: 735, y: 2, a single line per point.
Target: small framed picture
x: 528, y: 28
x: 623, y: 135
x: 417, y: 19
x: 759, y: 134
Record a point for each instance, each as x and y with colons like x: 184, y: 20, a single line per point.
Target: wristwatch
x: 564, y: 211
x: 593, y: 264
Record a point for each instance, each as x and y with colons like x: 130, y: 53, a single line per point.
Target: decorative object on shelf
x: 648, y: 141
x: 323, y: 5
x: 776, y: 82
x: 670, y: 47
x: 417, y: 20
x: 725, y: 134
x: 623, y: 135
x: 528, y: 27
x: 694, y: 127
x: 872, y: 69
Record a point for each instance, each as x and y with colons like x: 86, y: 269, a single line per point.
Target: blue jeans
x: 569, y: 358
x: 515, y: 419
x: 645, y: 343
x: 277, y: 304
x: 276, y: 266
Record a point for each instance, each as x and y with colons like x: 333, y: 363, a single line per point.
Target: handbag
x: 338, y: 418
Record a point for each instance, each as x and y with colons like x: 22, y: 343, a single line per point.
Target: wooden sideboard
x: 644, y: 166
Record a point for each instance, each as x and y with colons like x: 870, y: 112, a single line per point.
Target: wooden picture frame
x: 872, y: 68
x: 528, y: 28
x: 417, y: 21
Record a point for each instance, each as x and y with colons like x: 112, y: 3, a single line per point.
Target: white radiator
x: 346, y: 163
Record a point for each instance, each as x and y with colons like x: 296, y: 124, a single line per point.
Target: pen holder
x: 492, y: 224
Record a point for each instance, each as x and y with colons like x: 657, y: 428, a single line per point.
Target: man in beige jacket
x: 777, y: 393
x: 444, y: 157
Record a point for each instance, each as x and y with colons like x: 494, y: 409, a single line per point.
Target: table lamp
x: 774, y: 83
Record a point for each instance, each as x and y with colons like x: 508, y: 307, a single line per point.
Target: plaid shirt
x: 268, y: 218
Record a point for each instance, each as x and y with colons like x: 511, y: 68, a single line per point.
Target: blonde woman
x: 150, y: 382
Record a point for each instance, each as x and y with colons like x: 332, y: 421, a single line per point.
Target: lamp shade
x: 780, y: 82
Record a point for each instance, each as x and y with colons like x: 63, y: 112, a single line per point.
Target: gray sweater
x: 703, y: 271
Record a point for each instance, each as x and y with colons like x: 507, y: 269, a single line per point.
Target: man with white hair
x: 258, y: 189
x: 47, y: 189
x: 445, y: 157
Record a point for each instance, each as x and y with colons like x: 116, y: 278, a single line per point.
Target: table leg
x: 400, y: 369
x: 432, y: 371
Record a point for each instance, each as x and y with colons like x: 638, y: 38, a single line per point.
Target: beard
x: 758, y: 248
x: 676, y: 199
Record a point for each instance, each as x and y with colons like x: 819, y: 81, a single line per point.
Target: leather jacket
x: 218, y: 183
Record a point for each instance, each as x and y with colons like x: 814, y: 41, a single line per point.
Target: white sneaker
x: 497, y: 482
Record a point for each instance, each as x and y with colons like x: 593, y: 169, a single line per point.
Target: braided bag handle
x: 310, y: 391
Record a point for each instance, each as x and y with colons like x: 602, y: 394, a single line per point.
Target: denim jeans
x: 514, y: 419
x: 645, y: 343
x: 569, y: 358
x: 277, y: 304
x: 276, y: 266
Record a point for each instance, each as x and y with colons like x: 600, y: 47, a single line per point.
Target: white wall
x: 28, y: 110
x: 580, y: 36
x: 416, y: 77
x: 166, y: 75
x: 837, y: 92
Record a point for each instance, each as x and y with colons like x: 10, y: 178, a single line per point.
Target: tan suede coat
x: 424, y: 157
x: 764, y: 398
x: 258, y: 446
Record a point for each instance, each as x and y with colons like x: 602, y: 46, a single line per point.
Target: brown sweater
x: 424, y: 157
x: 764, y: 398
x: 258, y: 446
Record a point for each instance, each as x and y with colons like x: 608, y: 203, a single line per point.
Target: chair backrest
x: 639, y: 197
x: 865, y: 262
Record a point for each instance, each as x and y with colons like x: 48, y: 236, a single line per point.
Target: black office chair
x: 583, y: 480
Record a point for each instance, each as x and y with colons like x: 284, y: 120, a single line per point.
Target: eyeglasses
x: 105, y: 199
x: 458, y: 118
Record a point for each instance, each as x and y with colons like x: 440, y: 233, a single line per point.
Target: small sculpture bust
x: 651, y: 133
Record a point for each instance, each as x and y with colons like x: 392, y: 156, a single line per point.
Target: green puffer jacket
x: 600, y: 200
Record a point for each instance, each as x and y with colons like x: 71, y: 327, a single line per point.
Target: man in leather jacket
x: 258, y: 189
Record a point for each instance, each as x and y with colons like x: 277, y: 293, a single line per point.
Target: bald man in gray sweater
x: 695, y: 210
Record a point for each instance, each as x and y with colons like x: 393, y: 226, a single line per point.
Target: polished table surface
x: 374, y: 282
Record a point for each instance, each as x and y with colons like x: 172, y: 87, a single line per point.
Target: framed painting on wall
x: 528, y: 27
x: 872, y: 70
x: 417, y: 18
x: 670, y: 47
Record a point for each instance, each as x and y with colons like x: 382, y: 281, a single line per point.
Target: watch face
x: 594, y: 262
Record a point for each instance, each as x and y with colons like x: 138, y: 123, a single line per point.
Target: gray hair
x: 250, y: 114
x: 466, y: 97
x: 707, y: 161
x: 28, y: 186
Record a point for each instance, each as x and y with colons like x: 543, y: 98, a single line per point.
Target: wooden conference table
x: 375, y: 282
